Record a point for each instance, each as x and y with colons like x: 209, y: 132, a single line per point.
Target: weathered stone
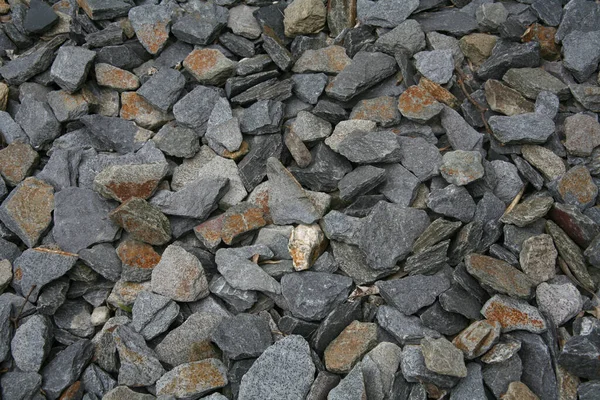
x: 442, y: 357
x: 499, y: 275
x: 193, y: 379
x: 241, y: 273
x: 477, y: 47
x: 23, y: 68
x: 522, y: 129
x: 64, y: 369
x: 370, y: 147
x: 442, y: 321
x: 31, y: 343
x: 513, y: 314
x: 330, y: 60
x: 135, y: 108
x: 477, y: 338
x: 103, y: 9
x: 452, y: 201
x: 581, y: 53
x: 538, y: 258
x: 417, y: 104
x: 177, y: 140
x: 217, y: 169
x: 532, y: 81
x: 209, y: 66
x: 576, y: 187
x: 461, y: 167
x: 306, y: 244
x: 116, y: 133
x: 414, y: 369
x: 143, y: 221
x: 404, y: 328
x: 508, y: 180
x: 122, y: 182
x: 115, y: 78
x: 412, y: 293
x: 387, y: 14
x: 506, y: 55
x: 139, y: 363
x: 179, y: 275
x: 38, y: 122
x: 548, y: 163
x: 17, y: 161
x: 505, y: 100
x: 151, y: 25
x: 528, y: 211
x: 583, y: 134
x: 242, y: 22
x: 437, y: 65
x: 304, y: 17
x: 71, y: 66
x: 560, y: 302
x: 350, y: 346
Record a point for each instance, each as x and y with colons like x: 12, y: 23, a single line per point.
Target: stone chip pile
x: 299, y: 199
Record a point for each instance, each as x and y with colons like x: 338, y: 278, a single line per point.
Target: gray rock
x: 308, y: 87
x: 442, y: 321
x: 404, y: 328
x: 458, y: 300
x: 412, y: 293
x: 400, y: 185
x: 529, y: 173
x: 238, y: 84
x: 202, y: 24
x: 20, y: 385
x: 538, y: 372
x: 96, y: 381
x: 371, y: 147
x: 532, y: 81
x: 73, y: 316
x: 506, y: 55
x: 528, y: 211
x: 420, y: 157
x: 31, y: 344
x: 351, y: 387
x: 324, y: 172
x: 284, y: 370
x: 179, y: 275
x: 387, y: 14
x: 498, y: 376
x: 264, y: 116
x: 278, y: 52
x: 99, y: 9
x: 177, y: 140
x: 491, y: 15
x: 581, y: 53
x: 310, y: 128
x: 578, y: 15
x: 588, y: 95
x: 276, y: 238
x: 242, y: 336
x: 326, y: 291
x: 163, y: 89
x: 334, y: 323
x: 52, y: 296
x: 461, y: 167
x: 239, y: 300
x: 437, y: 231
x: 23, y: 68
x: 588, y: 390
x: 452, y: 21
x: 386, y: 223
x: 560, y: 302
x: 442, y: 357
x: 548, y: 11
x: 116, y: 133
x: 193, y: 110
x: 509, y: 183
x: 592, y: 252
x: 10, y: 130
x: 193, y: 379
x: 66, y: 367
x: 414, y: 369
x: 471, y: 387
x: 80, y: 219
x: 38, y: 122
x: 67, y: 107
x: 242, y: 22
x: 151, y: 24
x: 360, y: 181
x: 153, y: 314
x: 243, y: 274
x: 538, y: 258
x: 139, y: 363
x: 460, y: 134
x: 452, y: 201
x: 407, y: 36
x: 436, y: 65
x: 223, y: 129
x: 71, y: 66
x: 322, y: 385
x: 522, y: 129
x: 366, y: 70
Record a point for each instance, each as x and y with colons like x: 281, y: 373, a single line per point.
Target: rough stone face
x: 387, y: 14
x: 477, y: 47
x: 461, y: 167
x: 436, y: 65
x: 38, y: 122
x: 139, y: 363
x: 350, y: 346
x: 505, y: 100
x: 477, y: 338
x: 17, y: 161
x: 115, y: 78
x: 538, y: 258
x: 442, y: 357
x: 560, y: 302
x: 151, y: 25
x: 306, y: 244
x: 64, y: 369
x: 31, y: 343
x: 412, y: 293
x: 549, y: 164
x: 179, y: 275
x: 417, y: 104
x: 452, y: 201
x: 513, y: 314
x: 285, y: 369
x: 522, y: 129
x: 122, y: 182
x: 330, y: 60
x: 152, y: 314
x: 577, y: 188
x: 143, y: 221
x: 193, y: 379
x: 304, y: 17
x: 209, y: 66
x: 581, y: 53
x: 530, y: 82
x: 370, y: 147
x: 583, y: 134
x: 242, y: 336
x: 71, y: 66
x: 500, y: 275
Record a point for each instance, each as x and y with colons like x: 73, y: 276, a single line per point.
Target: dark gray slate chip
x: 66, y: 367
x: 412, y: 293
x: 242, y: 336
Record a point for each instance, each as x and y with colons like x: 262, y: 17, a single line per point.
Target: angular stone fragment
x: 513, y: 314
x: 138, y: 260
x: 538, y: 258
x: 389, y: 223
x: 152, y: 314
x: 31, y: 343
x: 436, y: 65
x: 407, y: 36
x: 162, y: 90
x: 278, y: 52
x: 500, y: 275
x: 243, y: 274
x: 193, y: 379
x: 104, y: 9
x: 522, y: 129
x: 285, y: 369
x: 506, y: 55
x: 477, y: 47
x: 518, y: 390
x: 23, y: 68
x: 576, y: 187
x: 309, y: 127
x: 143, y: 221
x: 135, y: 108
x: 64, y: 369
x: 202, y: 24
x: 116, y: 133
x: 414, y: 369
x: 548, y: 163
x: 151, y: 25
x: 460, y: 134
x: 306, y: 244
x: 38, y: 122
x: 532, y: 81
x: 442, y: 357
x: 387, y: 13
x: 20, y: 385
x: 330, y: 60
x: 177, y: 140
x: 115, y: 78
x: 461, y: 167
x: 560, y: 301
x: 505, y: 100
x: 71, y: 66
x: 217, y: 169
x: 139, y: 363
x: 508, y: 180
x: 16, y: 162
x: 179, y: 275
x: 122, y: 182
x: 223, y: 128
x: 583, y: 134
x: 452, y: 201
x: 412, y: 293
x: 365, y: 70
x: 477, y: 338
x: 209, y: 66
x: 581, y: 53
x: 348, y: 348
x: 528, y: 211
x: 370, y: 147
x: 242, y: 22
x: 27, y: 210
x: 304, y: 17
x: 417, y: 104
x: 498, y: 376
x: 362, y: 180
x: 491, y: 16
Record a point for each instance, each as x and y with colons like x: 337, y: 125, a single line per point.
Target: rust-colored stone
x: 73, y: 392
x: 153, y: 36
x: 439, y: 93
x: 189, y: 378
x: 137, y: 254
x: 135, y: 108
x: 122, y: 182
x: 544, y: 35
x: 511, y: 317
x: 306, y: 244
x: 238, y: 154
x: 116, y: 78
x: 143, y: 221
x: 17, y: 161
x: 124, y: 293
x: 417, y: 103
x: 209, y: 232
x: 382, y: 110
x: 331, y: 60
x: 577, y: 187
x: 241, y: 219
x: 477, y: 47
x: 500, y: 275
x: 260, y: 197
x: 209, y: 66
x: 477, y: 338
x: 350, y: 346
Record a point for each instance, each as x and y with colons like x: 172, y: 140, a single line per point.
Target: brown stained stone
x: 442, y: 357
x: 143, y: 221
x: 193, y: 379
x: 154, y: 36
x: 330, y: 60
x: 122, y: 182
x: 417, y: 104
x: 138, y: 258
x: 577, y: 187
x: 241, y: 219
x: 238, y: 154
x: 260, y: 197
x: 538, y: 258
x: 518, y: 391
x: 549, y: 164
x: 513, y: 314
x: 135, y: 108
x: 500, y: 275
x: 27, y: 211
x: 304, y: 17
x: 567, y: 384
x: 3, y: 95
x: 382, y: 110
x: 506, y: 100
x: 209, y: 66
x: 477, y: 47
x: 116, y: 78
x: 544, y: 35
x: 73, y: 392
x: 439, y: 93
x: 297, y: 148
x: 477, y: 338
x: 17, y: 161
x: 341, y: 14
x: 4, y: 8
x: 124, y: 293
x: 306, y: 244
x: 350, y: 346
x: 583, y: 134
x: 209, y: 232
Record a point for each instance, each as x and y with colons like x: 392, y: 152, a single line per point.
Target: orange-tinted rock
x: 73, y: 392
x: 116, y: 78
x: 477, y: 47
x: 209, y: 232
x: 439, y: 93
x: 513, y: 314
x: 4, y: 8
x: 576, y: 187
x: 122, y: 182
x: 382, y: 110
x: 331, y: 60
x: 27, y: 211
x: 544, y: 35
x: 518, y: 391
x: 143, y: 221
x: 209, y: 66
x: 418, y: 104
x: 17, y: 161
x: 241, y: 219
x: 350, y: 346
x: 152, y: 26
x: 499, y: 275
x: 138, y: 260
x: 238, y: 154
x: 477, y: 338
x: 260, y: 197
x: 306, y: 244
x: 135, y: 108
